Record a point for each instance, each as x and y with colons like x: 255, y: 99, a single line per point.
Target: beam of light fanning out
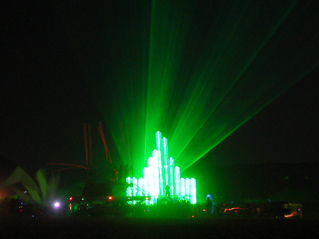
x: 198, y: 70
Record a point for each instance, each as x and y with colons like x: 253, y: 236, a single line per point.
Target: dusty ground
x: 86, y: 227
x: 14, y: 227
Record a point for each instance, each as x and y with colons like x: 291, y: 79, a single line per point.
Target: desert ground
x: 114, y: 227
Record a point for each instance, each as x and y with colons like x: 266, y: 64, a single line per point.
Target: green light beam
x: 196, y: 70
x: 224, y: 96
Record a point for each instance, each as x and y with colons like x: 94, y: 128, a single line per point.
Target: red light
x: 236, y: 211
x: 70, y: 198
x: 204, y: 210
x: 110, y: 197
x: 193, y: 216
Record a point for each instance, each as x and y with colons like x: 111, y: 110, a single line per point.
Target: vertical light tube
x: 165, y: 160
x: 145, y: 181
x: 151, y: 178
x: 160, y: 159
x: 177, y: 181
x: 187, y: 187
x: 171, y: 172
x: 156, y: 174
x: 134, y: 189
x: 161, y: 171
x: 140, y: 186
x: 129, y: 189
x: 182, y: 188
x: 134, y: 186
x: 193, y: 191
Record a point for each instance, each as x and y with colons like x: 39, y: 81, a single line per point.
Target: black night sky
x: 46, y: 96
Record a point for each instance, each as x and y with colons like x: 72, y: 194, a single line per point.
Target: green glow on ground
x: 197, y: 74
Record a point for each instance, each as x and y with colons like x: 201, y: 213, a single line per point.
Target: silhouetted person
x: 167, y: 191
x: 209, y: 206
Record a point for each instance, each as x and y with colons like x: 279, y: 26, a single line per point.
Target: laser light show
x: 161, y: 177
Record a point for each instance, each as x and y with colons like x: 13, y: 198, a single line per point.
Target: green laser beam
x: 224, y: 96
x: 198, y: 70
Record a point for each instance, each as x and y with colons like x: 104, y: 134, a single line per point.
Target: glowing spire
x: 155, y: 176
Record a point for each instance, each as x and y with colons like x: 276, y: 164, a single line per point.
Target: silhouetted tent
x: 7, y: 166
x: 16, y: 181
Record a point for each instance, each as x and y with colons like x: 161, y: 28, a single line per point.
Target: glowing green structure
x: 160, y: 173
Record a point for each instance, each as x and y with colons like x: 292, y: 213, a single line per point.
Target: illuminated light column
x: 160, y: 164
x: 155, y: 176
x: 134, y: 186
x: 193, y: 191
x: 151, y: 178
x: 171, y: 172
x: 182, y: 187
x: 177, y: 180
x: 187, y: 187
x: 156, y: 173
x: 165, y: 160
x: 134, y: 189
x: 129, y: 189
x: 146, y: 181
x: 140, y: 186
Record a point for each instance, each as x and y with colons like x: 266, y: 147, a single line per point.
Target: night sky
x: 52, y: 52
